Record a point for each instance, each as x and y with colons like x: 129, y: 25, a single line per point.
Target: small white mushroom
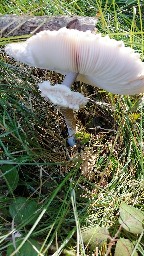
x: 83, y: 56
x: 66, y: 101
x: 62, y: 96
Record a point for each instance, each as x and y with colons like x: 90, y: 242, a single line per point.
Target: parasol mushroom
x: 83, y: 56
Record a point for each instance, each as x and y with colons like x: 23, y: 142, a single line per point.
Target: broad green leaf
x: 28, y: 249
x: 11, y: 176
x: 95, y: 236
x: 131, y: 218
x: 124, y: 248
x: 22, y: 209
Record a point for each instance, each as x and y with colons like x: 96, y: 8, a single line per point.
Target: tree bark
x: 13, y: 25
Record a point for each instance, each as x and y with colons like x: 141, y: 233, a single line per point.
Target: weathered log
x: 13, y: 25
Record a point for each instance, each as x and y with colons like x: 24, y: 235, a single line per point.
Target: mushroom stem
x: 71, y: 124
x: 68, y: 113
x: 69, y: 79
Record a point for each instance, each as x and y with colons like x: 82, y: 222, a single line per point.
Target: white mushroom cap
x: 61, y: 96
x: 99, y: 61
